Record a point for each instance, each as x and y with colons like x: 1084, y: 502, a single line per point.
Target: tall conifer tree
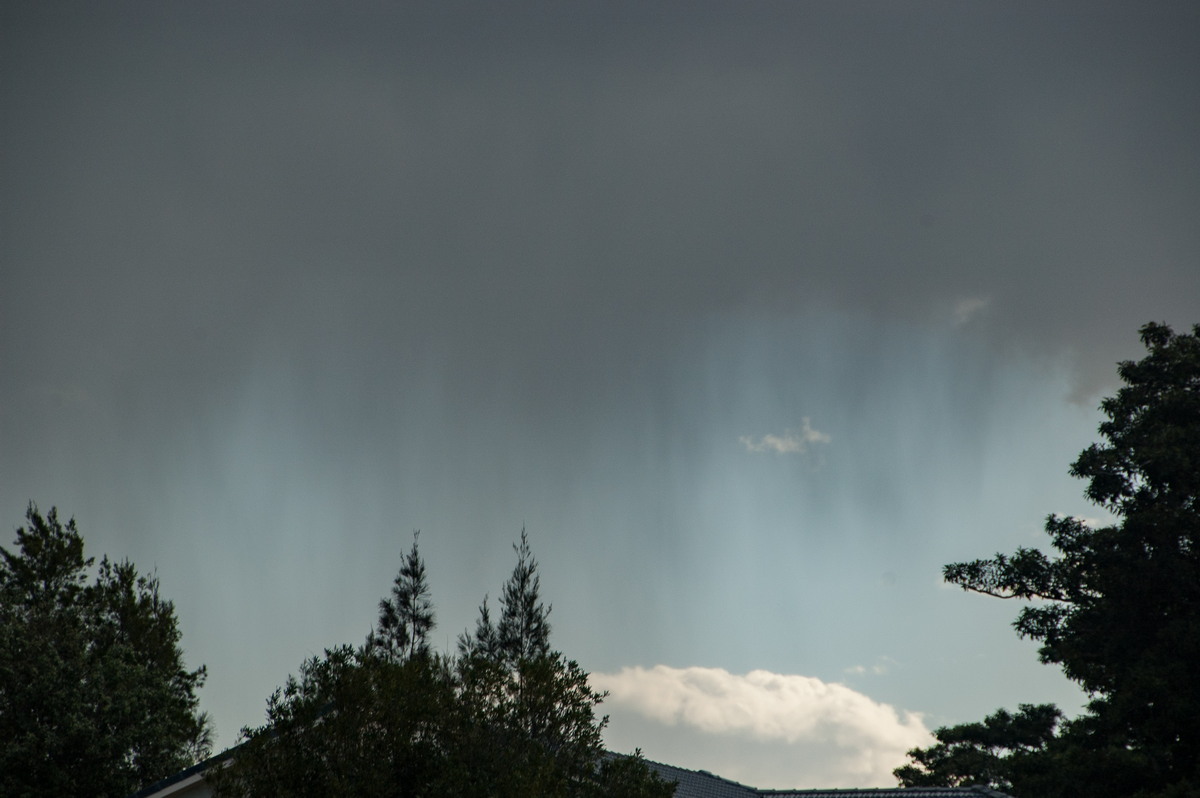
x: 524, y: 628
x: 406, y: 617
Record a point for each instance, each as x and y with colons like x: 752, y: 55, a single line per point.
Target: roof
x: 184, y: 780
x: 977, y: 791
x: 692, y: 784
x: 702, y: 784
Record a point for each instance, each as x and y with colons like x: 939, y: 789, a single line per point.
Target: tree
x: 355, y: 723
x: 1004, y: 751
x: 407, y: 617
x: 485, y: 641
x: 506, y: 717
x: 524, y: 630
x: 94, y: 696
x: 526, y: 729
x: 1118, y: 608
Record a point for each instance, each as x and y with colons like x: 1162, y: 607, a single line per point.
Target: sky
x: 753, y: 315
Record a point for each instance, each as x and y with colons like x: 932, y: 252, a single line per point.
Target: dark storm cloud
x: 526, y: 195
x: 527, y: 224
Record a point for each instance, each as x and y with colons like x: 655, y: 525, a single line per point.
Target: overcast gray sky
x: 753, y: 314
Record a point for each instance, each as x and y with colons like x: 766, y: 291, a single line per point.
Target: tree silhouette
x: 1118, y: 606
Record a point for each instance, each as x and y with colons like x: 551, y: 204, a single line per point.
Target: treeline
x: 505, y: 715
x: 95, y: 698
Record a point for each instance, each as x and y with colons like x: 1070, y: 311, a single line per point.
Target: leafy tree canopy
x: 1117, y: 607
x: 506, y: 716
x: 1003, y: 750
x: 94, y: 696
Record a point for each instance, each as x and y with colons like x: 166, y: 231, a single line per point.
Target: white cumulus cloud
x: 792, y: 441
x: 811, y: 733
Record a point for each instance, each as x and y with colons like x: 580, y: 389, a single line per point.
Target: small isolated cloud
x: 881, y: 666
x: 808, y: 732
x: 967, y: 308
x: 792, y: 441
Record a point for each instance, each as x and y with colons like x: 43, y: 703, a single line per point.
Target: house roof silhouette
x: 691, y: 784
x: 702, y: 784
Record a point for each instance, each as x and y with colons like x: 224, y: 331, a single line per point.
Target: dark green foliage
x: 485, y: 640
x: 1118, y: 607
x: 524, y: 630
x: 94, y: 698
x: 1002, y: 750
x: 526, y: 730
x: 406, y: 618
x: 354, y: 723
x: 630, y: 777
x: 509, y: 718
